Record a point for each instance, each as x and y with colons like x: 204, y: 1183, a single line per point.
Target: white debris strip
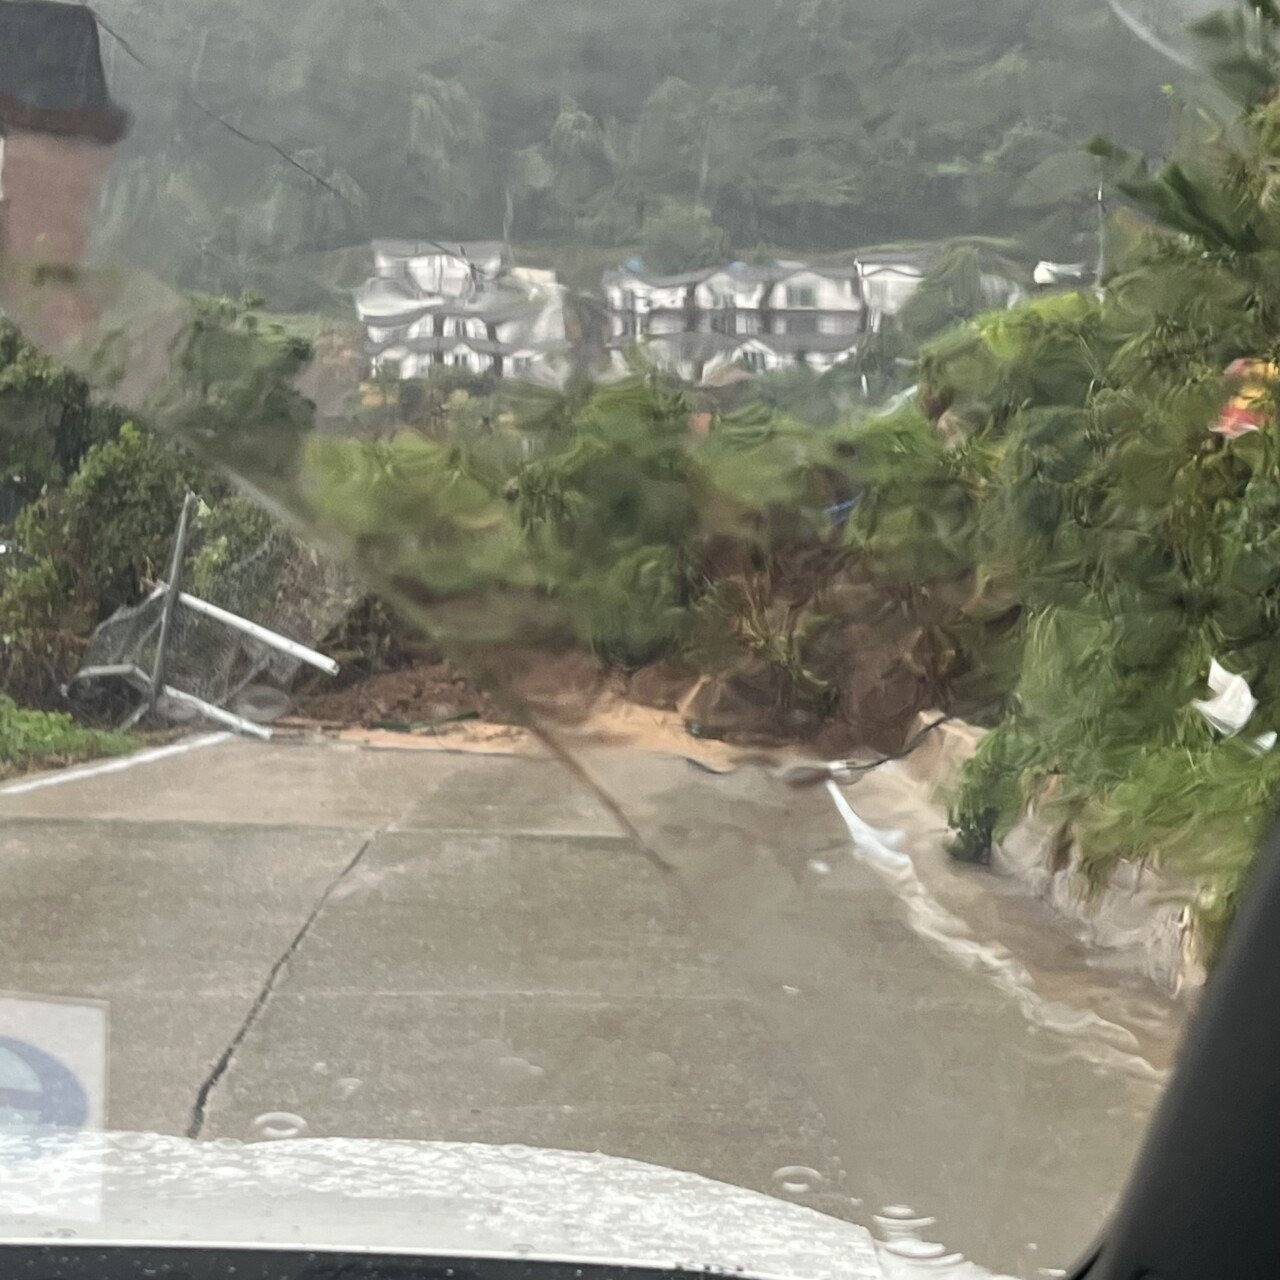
x: 1094, y: 1037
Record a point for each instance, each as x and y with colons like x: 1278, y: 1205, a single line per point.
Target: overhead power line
x: 252, y: 139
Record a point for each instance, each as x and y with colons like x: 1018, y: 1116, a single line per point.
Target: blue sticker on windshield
x: 37, y: 1090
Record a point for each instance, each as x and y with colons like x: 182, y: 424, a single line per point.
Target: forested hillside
x: 815, y: 124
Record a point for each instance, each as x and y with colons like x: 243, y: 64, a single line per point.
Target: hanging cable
x: 252, y: 139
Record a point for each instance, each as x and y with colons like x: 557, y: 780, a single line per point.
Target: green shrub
x: 677, y: 236
x: 990, y: 794
x: 113, y: 524
x: 238, y: 552
x: 36, y: 739
x: 1136, y: 543
x: 1199, y: 814
x: 49, y: 422
x: 744, y: 620
x: 915, y: 525
x: 42, y: 631
x: 631, y: 614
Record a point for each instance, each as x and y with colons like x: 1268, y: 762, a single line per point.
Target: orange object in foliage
x: 1248, y: 409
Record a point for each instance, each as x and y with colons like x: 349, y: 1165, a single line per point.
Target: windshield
x: 636, y: 632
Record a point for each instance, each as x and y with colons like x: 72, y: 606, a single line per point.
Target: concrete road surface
x: 419, y: 944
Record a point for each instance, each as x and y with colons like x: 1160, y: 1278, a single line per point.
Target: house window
x: 521, y: 366
x: 801, y: 295
x: 755, y: 361
x: 721, y: 322
x: 748, y: 324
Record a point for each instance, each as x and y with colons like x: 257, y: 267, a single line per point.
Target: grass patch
x: 45, y: 739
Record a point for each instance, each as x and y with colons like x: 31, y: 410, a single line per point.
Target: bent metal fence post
x: 211, y: 646
x: 170, y: 599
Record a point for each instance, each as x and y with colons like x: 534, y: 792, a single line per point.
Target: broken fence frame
x: 153, y: 685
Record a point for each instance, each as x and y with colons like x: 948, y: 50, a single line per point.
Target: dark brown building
x: 58, y: 127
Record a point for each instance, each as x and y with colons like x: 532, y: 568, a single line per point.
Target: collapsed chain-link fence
x: 272, y: 581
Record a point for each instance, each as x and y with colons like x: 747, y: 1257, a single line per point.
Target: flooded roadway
x: 970, y: 1060
x: 313, y: 938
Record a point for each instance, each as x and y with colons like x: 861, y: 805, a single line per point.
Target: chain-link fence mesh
x: 273, y: 580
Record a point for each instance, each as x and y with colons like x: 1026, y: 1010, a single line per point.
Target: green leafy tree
x: 676, y: 237
x: 48, y: 421
x: 1118, y: 540
x: 446, y: 140
x: 824, y: 123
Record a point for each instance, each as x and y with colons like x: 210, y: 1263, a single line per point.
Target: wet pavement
x: 313, y: 937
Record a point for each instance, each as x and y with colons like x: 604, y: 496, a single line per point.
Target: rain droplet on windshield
x: 797, y: 1178
x: 279, y: 1124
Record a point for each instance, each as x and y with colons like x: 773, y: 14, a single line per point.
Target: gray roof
x: 620, y: 275
x: 828, y: 271
x: 395, y: 289
x: 496, y: 305
x: 913, y: 259
x: 757, y: 272
x: 845, y: 262
x: 471, y: 250
x: 750, y: 272
x: 842, y: 265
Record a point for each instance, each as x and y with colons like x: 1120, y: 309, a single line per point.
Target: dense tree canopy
x: 811, y: 124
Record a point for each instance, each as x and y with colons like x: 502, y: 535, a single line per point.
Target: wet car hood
x: 425, y: 1197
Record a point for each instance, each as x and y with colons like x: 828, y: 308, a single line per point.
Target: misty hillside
x: 688, y: 125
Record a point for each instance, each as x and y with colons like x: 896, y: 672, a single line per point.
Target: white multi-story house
x: 762, y: 319
x: 888, y: 278
x: 435, y: 305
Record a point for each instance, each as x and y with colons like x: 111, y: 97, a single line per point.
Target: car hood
x: 441, y: 1198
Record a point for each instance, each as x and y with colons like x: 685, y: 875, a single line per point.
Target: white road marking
x: 115, y: 765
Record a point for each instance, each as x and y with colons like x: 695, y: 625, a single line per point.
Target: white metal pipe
x: 129, y: 670
x: 218, y: 714
x: 276, y: 641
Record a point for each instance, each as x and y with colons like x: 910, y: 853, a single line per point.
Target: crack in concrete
x: 220, y: 1067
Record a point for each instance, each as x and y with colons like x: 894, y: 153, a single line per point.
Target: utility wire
x: 253, y: 139
x: 805, y: 775
x: 284, y: 155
